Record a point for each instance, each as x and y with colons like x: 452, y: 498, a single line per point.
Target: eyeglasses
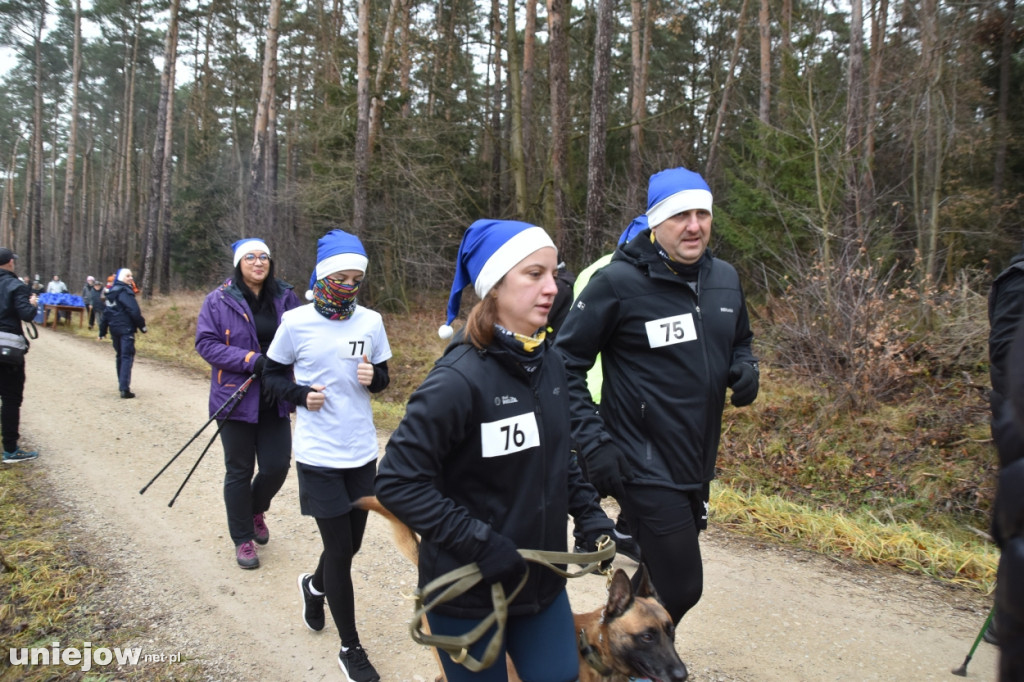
x: 251, y: 257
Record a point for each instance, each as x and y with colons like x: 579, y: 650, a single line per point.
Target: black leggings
x: 667, y: 525
x: 342, y: 536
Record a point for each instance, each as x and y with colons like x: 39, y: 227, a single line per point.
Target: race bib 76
x: 513, y: 434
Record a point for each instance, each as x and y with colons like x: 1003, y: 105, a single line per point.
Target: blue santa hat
x: 337, y: 250
x: 489, y: 249
x: 638, y: 225
x: 244, y: 246
x: 673, y: 191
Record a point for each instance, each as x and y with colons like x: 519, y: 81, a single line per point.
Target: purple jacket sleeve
x: 224, y: 337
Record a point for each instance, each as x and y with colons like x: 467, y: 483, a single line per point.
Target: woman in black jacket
x: 481, y: 463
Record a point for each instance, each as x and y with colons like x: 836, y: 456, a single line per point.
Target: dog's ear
x: 642, y: 585
x: 620, y: 595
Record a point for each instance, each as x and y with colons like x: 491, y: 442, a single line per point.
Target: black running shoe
x: 312, y: 604
x: 356, y: 665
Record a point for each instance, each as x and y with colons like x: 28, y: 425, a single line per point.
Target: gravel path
x: 767, y: 613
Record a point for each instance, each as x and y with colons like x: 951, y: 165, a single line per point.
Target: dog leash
x: 456, y: 582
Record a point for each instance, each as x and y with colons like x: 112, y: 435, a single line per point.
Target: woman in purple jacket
x: 236, y: 325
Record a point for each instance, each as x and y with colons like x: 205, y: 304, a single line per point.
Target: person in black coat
x: 481, y: 464
x: 17, y: 305
x: 122, y: 317
x: 670, y: 323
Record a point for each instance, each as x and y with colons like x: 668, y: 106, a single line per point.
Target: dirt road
x: 767, y: 613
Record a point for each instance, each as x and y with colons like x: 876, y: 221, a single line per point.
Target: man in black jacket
x: 123, y: 317
x: 1006, y: 316
x: 670, y: 322
x: 17, y: 305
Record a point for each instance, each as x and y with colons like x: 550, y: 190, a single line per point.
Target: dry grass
x: 49, y: 593
x: 906, y: 546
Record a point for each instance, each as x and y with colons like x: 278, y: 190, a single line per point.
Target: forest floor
x: 768, y: 613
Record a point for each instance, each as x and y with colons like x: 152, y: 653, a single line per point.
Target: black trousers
x: 247, y: 492
x: 124, y: 347
x: 667, y: 524
x: 12, y: 390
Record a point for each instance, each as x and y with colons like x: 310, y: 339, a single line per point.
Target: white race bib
x: 671, y: 330
x: 354, y: 348
x: 506, y: 436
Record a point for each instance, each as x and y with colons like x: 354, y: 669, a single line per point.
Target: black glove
x: 259, y: 365
x: 744, y: 381
x: 501, y: 562
x: 590, y: 543
x: 607, y: 469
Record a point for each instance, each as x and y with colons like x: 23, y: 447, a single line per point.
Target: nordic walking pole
x: 962, y: 670
x: 241, y: 394
x: 241, y: 389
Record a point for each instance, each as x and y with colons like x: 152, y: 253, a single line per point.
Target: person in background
x: 56, y: 286
x: 1008, y: 511
x: 625, y: 542
x: 37, y: 285
x: 121, y: 315
x: 236, y: 324
x: 92, y: 294
x: 670, y: 321
x: 481, y: 464
x: 17, y: 305
x: 1005, y: 314
x: 338, y: 351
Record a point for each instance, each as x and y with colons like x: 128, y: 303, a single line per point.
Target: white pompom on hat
x: 244, y: 246
x: 673, y: 191
x: 489, y: 249
x: 337, y: 250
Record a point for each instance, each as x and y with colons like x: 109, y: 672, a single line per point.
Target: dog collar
x: 591, y: 655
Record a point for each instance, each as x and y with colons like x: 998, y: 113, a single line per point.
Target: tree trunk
x: 166, y: 175
x: 1006, y: 52
x: 405, y: 61
x: 529, y: 70
x: 383, y: 68
x: 493, y: 142
x: 35, y: 222
x: 598, y: 132
x: 68, y: 222
x: 558, y: 56
x: 259, y: 193
x: 854, y: 147
x: 156, y: 169
x: 765, y: 94
x: 516, y: 155
x: 638, y: 35
x: 723, y: 106
x: 879, y: 23
x: 362, y: 160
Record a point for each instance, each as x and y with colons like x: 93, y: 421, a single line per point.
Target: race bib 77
x: 513, y: 434
x: 671, y: 330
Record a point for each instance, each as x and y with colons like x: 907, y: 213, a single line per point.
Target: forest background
x: 865, y: 162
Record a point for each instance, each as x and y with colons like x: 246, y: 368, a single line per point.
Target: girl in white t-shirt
x: 339, y: 352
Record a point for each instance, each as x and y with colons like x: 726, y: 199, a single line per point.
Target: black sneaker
x: 356, y: 665
x: 127, y: 394
x: 312, y: 604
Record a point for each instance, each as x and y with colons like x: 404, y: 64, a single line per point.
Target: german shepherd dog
x: 631, y: 636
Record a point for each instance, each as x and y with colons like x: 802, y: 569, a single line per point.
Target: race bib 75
x: 671, y: 330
